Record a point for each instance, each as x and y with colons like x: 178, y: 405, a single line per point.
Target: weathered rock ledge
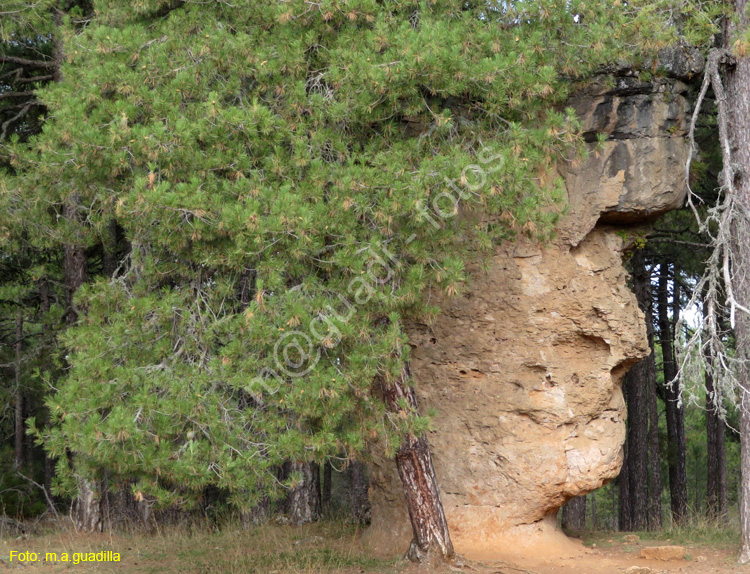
x: 524, y: 371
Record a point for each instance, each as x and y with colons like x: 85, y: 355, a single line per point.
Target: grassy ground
x: 696, y: 531
x: 328, y: 548
x: 335, y: 548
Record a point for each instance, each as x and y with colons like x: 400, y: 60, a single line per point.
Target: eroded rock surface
x: 524, y: 371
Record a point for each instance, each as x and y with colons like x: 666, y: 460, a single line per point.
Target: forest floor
x: 615, y: 553
x: 334, y: 548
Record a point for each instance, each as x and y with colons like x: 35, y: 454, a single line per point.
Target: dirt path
x: 613, y: 555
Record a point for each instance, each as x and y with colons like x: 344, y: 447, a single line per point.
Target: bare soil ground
x: 612, y: 553
x: 335, y: 549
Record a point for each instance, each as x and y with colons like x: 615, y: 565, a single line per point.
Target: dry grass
x: 326, y: 548
x: 695, y: 530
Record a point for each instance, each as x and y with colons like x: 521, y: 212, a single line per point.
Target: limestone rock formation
x: 524, y: 370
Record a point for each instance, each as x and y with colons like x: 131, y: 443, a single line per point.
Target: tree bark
x: 303, y: 502
x: 654, y: 461
x: 109, y: 248
x: 325, y: 493
x: 414, y: 463
x: 716, y: 483
x: 594, y: 516
x: 87, y: 508
x: 49, y: 463
x: 18, y: 399
x: 574, y: 514
x: 257, y: 515
x: 675, y: 414
x: 360, y: 499
x: 737, y: 81
x: 625, y: 514
x: 75, y: 269
x: 637, y: 438
x: 637, y: 384
x: 645, y: 301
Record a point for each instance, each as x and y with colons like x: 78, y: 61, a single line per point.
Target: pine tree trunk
x: 625, y: 511
x: 49, y: 463
x: 637, y: 438
x: 414, y: 463
x: 676, y: 456
x: 325, y: 494
x: 574, y: 514
x: 257, y: 515
x: 637, y: 384
x: 87, y: 508
x: 110, y: 259
x: 594, y: 517
x: 721, y: 455
x: 18, y: 399
x: 716, y: 483
x: 654, y: 455
x: 360, y: 499
x: 738, y: 111
x: 303, y: 502
x: 74, y: 263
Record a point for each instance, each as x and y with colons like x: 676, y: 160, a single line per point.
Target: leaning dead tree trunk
x: 417, y: 473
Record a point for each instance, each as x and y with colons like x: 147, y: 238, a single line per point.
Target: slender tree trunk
x: 49, y: 463
x: 654, y: 455
x: 638, y: 445
x: 303, y: 503
x: 675, y: 413
x: 360, y: 499
x: 257, y: 515
x: 19, y: 434
x: 721, y: 454
x: 654, y: 461
x: 738, y: 110
x: 716, y: 480
x: 75, y: 267
x: 325, y: 493
x: 87, y: 508
x: 574, y: 514
x: 615, y: 497
x: 625, y: 515
x: 636, y: 384
x: 594, y: 517
x: 417, y: 473
x: 110, y: 261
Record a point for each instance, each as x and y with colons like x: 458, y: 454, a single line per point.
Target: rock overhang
x: 524, y: 371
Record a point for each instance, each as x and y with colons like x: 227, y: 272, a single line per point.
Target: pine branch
x: 25, y: 110
x: 47, y: 64
x: 677, y: 242
x: 8, y: 95
x: 35, y: 79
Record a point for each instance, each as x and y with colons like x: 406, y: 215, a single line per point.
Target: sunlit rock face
x: 524, y: 370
